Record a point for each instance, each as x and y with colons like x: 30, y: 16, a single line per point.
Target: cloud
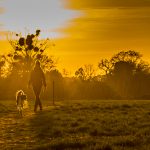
x: 31, y: 14
x: 2, y: 10
x: 110, y: 24
x: 103, y: 21
x: 88, y: 4
x: 105, y: 27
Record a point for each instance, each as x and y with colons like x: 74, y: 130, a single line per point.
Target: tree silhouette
x: 86, y: 72
x: 27, y: 49
x: 80, y: 73
x: 124, y: 56
x: 2, y: 63
x: 122, y: 70
x: 105, y: 65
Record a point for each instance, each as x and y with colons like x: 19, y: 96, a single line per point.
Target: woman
x: 37, y: 80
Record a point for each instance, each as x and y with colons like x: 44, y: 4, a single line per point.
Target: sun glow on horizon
x: 47, y: 15
x: 83, y: 31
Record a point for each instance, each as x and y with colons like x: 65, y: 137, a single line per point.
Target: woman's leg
x: 40, y: 105
x: 36, y: 105
x: 37, y: 91
x: 38, y: 101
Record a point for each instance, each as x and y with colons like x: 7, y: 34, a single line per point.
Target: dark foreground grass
x: 95, y: 125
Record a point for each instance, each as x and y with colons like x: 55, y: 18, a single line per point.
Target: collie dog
x: 21, y: 102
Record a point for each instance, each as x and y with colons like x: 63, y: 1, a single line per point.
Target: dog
x: 21, y: 101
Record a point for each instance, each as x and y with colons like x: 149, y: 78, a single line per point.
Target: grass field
x: 95, y: 125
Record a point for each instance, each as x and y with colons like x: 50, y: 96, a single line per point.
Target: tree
x: 2, y: 66
x: 105, y: 65
x: 85, y: 73
x: 89, y: 71
x: 122, y: 76
x: 124, y: 56
x: 2, y: 63
x: 80, y: 73
x: 26, y: 50
x: 123, y: 70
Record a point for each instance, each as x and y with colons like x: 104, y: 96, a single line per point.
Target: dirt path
x: 16, y: 132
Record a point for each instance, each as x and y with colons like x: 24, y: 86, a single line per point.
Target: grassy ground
x: 95, y: 125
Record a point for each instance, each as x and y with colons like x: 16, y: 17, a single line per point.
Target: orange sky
x: 104, y: 28
x: 100, y: 29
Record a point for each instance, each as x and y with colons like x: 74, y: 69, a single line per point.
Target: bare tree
x: 86, y: 72
x: 89, y: 71
x: 105, y: 65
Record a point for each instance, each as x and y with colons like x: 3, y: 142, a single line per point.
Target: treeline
x: 65, y: 88
x: 124, y: 76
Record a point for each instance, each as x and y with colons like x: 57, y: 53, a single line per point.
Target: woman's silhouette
x: 37, y: 80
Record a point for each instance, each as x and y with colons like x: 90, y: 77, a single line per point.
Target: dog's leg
x: 20, y: 112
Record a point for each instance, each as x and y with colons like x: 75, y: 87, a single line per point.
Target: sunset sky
x: 84, y: 31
